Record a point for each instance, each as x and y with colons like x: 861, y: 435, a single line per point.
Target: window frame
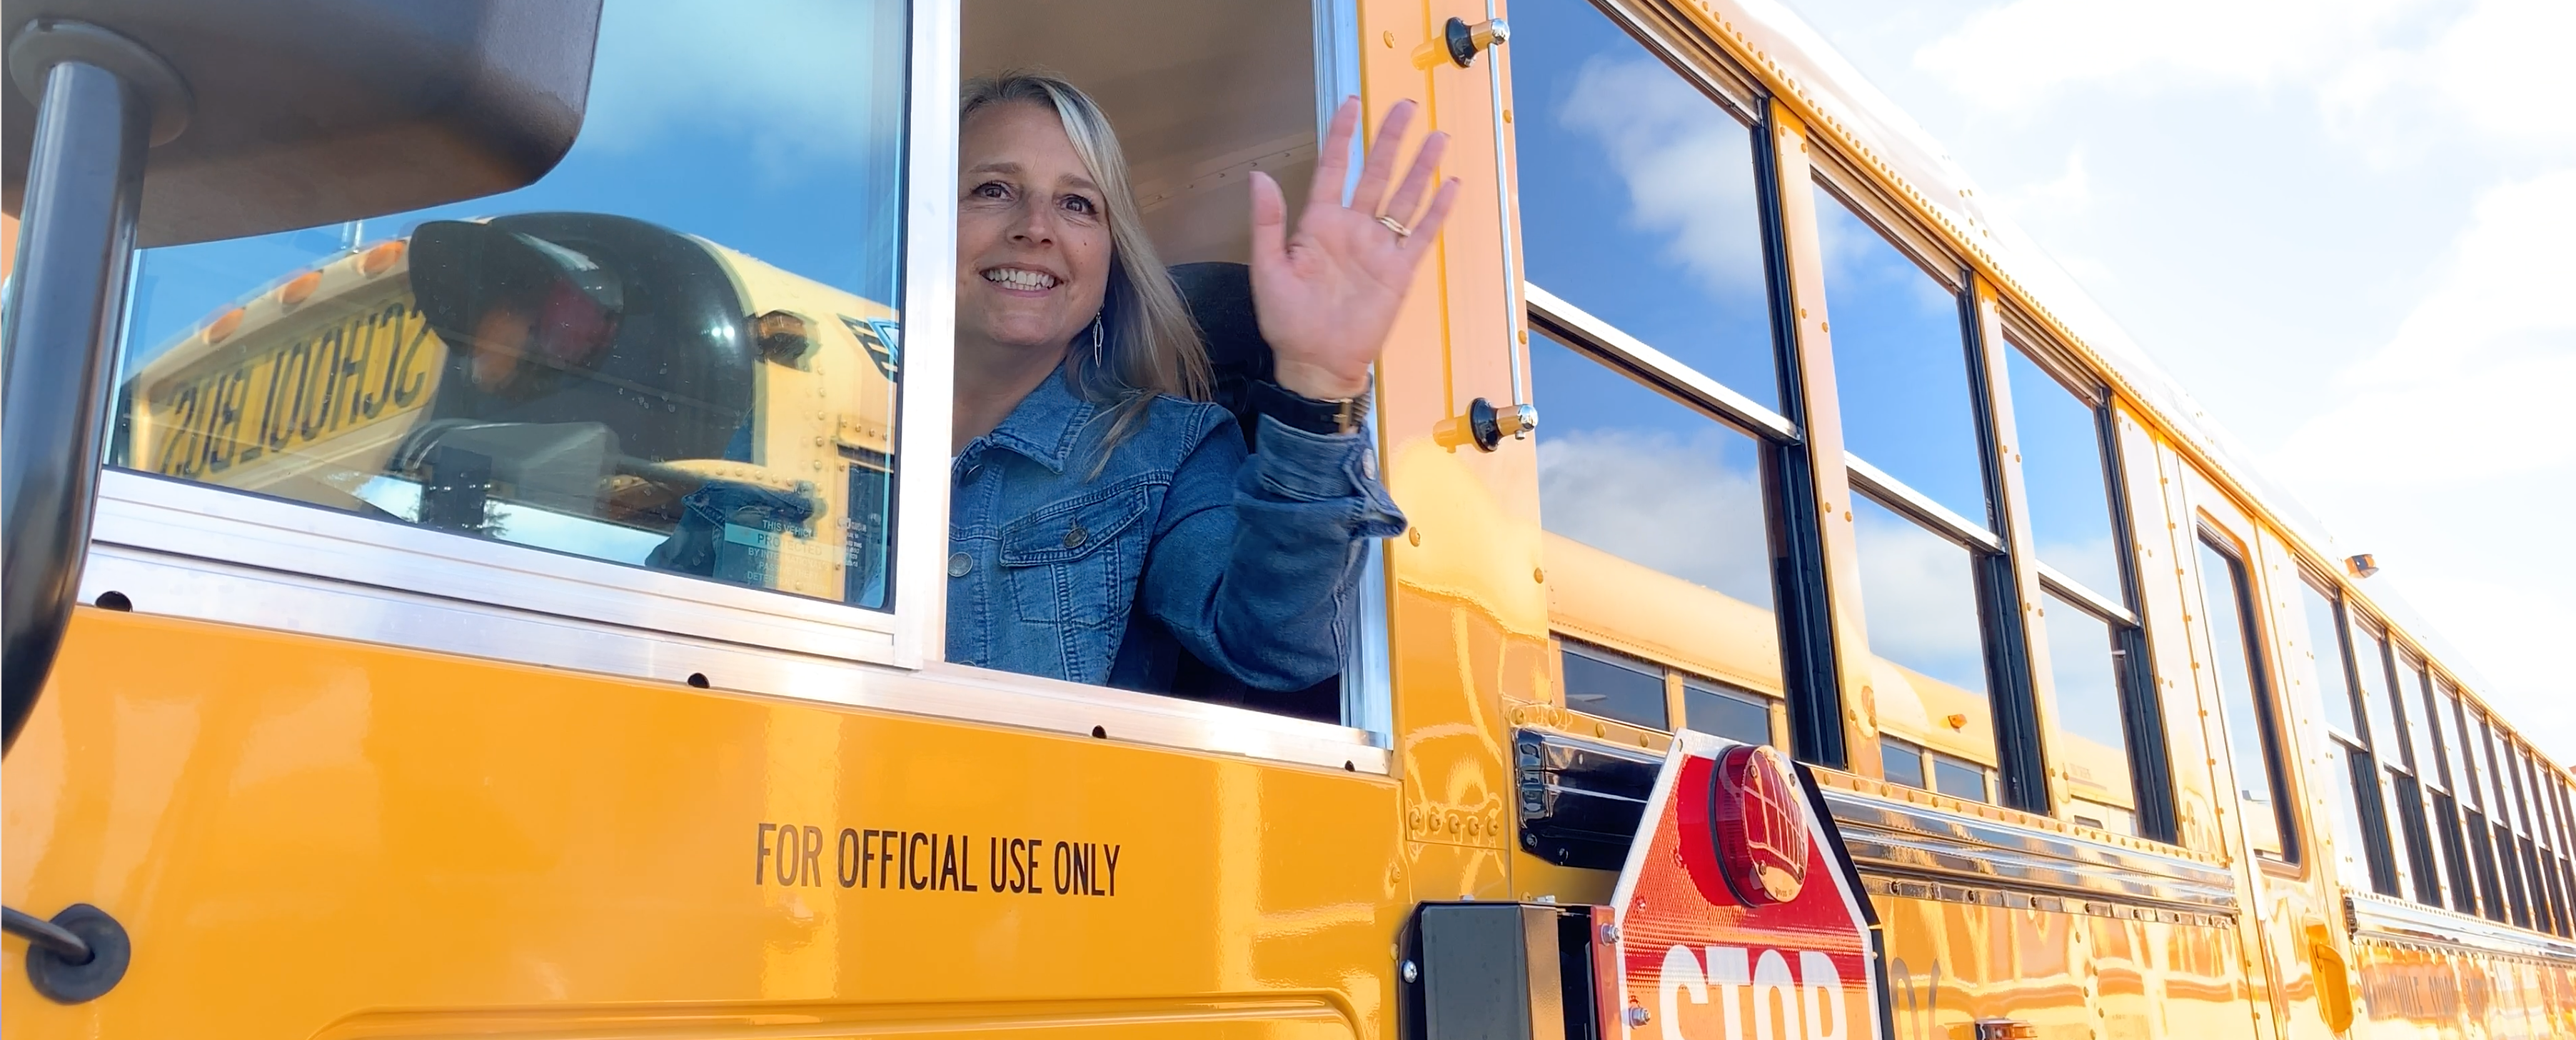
x: 219, y: 555
x: 2261, y: 674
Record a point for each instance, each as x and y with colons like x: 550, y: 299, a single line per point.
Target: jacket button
x: 959, y: 564
x: 1074, y: 537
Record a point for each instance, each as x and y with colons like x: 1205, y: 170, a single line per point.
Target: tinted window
x: 1903, y: 763
x: 2235, y: 657
x: 1637, y: 196
x: 2092, y: 727
x: 2427, y: 729
x: 2325, y: 650
x: 595, y: 369
x: 1599, y: 682
x: 1959, y: 779
x: 2063, y: 475
x: 1733, y: 714
x: 1899, y: 364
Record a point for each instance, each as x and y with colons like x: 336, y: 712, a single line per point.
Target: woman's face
x: 1032, y: 231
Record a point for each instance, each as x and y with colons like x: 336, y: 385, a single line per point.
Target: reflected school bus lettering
x: 790, y: 855
x: 374, y: 365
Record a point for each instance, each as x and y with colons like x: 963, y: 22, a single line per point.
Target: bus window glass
x: 1959, y: 779
x: 2092, y: 728
x: 1902, y: 763
x: 1919, y: 598
x: 2235, y: 656
x: 1734, y: 714
x: 1899, y: 364
x: 1614, y: 686
x: 2063, y: 476
x: 2456, y: 738
x: 679, y: 350
x: 2424, y: 726
x: 1637, y: 197
x: 1656, y: 522
x: 2370, y: 677
x: 2325, y: 651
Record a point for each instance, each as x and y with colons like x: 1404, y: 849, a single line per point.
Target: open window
x: 2242, y: 673
x: 1201, y: 95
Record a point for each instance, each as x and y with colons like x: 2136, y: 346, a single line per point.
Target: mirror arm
x: 57, y: 361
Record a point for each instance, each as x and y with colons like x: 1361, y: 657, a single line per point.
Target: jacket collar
x: 1045, y: 425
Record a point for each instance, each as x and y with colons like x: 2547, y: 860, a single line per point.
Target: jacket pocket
x: 1076, y: 562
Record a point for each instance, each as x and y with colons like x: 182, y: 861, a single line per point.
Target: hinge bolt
x: 1637, y: 1016
x: 1412, y: 972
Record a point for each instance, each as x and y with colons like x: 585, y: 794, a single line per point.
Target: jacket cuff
x: 1296, y: 466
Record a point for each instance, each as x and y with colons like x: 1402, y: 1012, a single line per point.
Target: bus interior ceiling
x: 1202, y: 92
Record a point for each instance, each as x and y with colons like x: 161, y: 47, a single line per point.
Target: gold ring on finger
x: 1400, y: 230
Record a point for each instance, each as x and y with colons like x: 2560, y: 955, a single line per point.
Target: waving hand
x: 1327, y: 291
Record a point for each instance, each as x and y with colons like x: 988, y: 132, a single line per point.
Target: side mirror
x: 163, y: 122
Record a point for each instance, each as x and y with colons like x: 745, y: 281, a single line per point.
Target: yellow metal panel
x: 297, y: 831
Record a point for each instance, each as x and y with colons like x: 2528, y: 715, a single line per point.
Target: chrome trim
x: 1368, y: 682
x: 1921, y: 506
x: 184, y: 519
x: 207, y: 590
x: 1599, y: 335
x: 2057, y: 582
x: 2373, y: 916
x: 1896, y: 838
x: 929, y: 311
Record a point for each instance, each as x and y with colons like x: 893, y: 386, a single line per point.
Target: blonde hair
x: 1149, y: 345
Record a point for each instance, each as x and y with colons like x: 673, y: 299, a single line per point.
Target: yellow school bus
x: 524, y: 616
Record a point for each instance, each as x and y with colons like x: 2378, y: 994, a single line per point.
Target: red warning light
x: 1758, y: 826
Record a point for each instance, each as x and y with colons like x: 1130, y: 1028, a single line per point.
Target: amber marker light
x: 375, y: 260
x: 300, y: 288
x: 224, y: 325
x: 1761, y: 835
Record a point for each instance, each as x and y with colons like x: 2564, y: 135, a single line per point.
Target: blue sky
x: 2343, y: 225
x: 709, y: 126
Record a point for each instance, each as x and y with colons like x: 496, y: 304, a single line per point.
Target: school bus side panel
x: 297, y: 831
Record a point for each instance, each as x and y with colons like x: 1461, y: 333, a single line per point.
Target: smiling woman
x: 1106, y: 523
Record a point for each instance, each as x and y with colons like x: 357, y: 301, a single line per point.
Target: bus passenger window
x: 2508, y: 855
x: 1919, y: 598
x: 2253, y: 735
x: 2084, y: 667
x: 679, y: 350
x: 1637, y: 196
x: 1656, y: 521
x: 2401, y: 763
x: 1734, y: 714
x: 2360, y: 830
x: 2474, y: 830
x: 1614, y: 686
x: 1901, y: 364
x: 2437, y: 730
x: 1902, y: 763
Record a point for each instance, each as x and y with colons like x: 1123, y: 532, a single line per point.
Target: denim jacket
x: 1250, y: 562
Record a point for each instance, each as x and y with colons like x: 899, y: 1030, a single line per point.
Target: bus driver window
x: 1163, y: 480
x: 680, y: 350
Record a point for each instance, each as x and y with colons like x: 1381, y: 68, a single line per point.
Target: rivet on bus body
x: 1413, y: 535
x: 1389, y: 37
x: 1538, y: 575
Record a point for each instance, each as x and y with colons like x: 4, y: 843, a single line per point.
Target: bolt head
x: 1637, y: 1016
x: 1609, y: 933
x: 1412, y: 972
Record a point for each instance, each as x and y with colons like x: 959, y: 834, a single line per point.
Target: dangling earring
x: 1096, y: 361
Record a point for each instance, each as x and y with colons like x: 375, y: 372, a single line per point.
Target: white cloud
x: 1689, y: 507
x: 2450, y: 455
x: 1688, y: 166
x: 2010, y: 56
